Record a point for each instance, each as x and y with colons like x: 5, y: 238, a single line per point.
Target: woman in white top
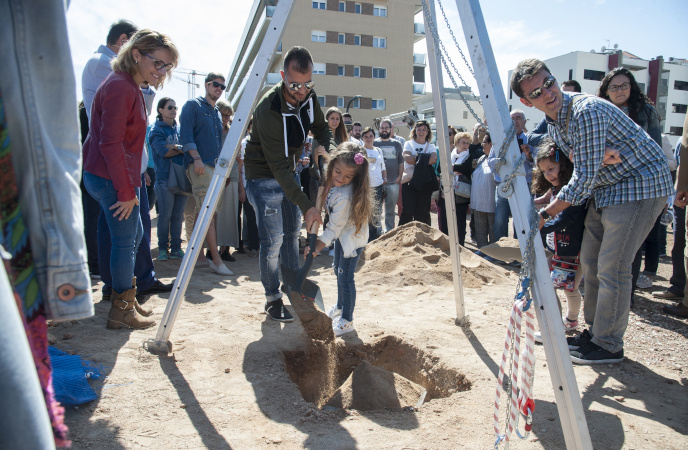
x: 416, y: 203
x: 378, y: 178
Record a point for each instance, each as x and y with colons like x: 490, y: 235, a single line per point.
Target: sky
x: 207, y: 33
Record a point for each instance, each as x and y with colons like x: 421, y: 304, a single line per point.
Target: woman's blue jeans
x: 170, y: 217
x: 125, y: 234
x: 344, y: 268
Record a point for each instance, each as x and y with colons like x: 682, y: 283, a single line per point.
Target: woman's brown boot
x: 143, y: 310
x: 123, y: 312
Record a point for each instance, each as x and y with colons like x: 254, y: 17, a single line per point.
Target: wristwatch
x: 544, y: 214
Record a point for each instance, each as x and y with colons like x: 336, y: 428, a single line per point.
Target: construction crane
x: 406, y: 118
x: 190, y: 79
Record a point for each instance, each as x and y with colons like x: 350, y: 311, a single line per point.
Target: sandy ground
x: 231, y: 380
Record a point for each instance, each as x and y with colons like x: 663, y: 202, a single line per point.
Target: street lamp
x: 350, y: 101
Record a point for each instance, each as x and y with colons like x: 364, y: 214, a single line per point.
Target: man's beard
x: 385, y: 134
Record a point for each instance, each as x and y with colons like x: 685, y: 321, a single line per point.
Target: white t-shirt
x: 375, y: 169
x: 414, y: 148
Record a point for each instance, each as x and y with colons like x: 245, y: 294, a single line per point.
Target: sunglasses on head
x: 297, y: 86
x: 158, y: 64
x: 216, y: 84
x: 171, y: 107
x: 549, y: 82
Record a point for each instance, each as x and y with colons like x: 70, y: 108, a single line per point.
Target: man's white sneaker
x: 342, y: 326
x: 220, y: 269
x: 334, y: 312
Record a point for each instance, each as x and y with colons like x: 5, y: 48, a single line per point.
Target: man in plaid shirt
x: 625, y: 193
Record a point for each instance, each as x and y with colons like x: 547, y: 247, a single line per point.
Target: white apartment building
x: 458, y: 114
x: 664, y: 81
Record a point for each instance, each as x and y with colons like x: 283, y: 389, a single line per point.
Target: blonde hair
x: 145, y: 41
x: 225, y: 108
x: 462, y: 135
x: 362, y: 201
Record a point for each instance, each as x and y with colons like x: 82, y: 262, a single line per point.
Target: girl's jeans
x: 344, y: 268
x: 171, y: 215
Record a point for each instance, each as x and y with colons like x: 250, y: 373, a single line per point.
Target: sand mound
x: 416, y: 254
x: 370, y: 387
x: 315, y: 322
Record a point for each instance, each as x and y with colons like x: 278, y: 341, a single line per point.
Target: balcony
x: 418, y: 32
x: 418, y: 88
x: 419, y: 59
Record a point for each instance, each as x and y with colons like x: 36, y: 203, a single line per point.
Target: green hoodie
x: 277, y: 137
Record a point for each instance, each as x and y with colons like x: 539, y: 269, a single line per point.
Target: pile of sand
x: 416, y: 254
x: 370, y: 387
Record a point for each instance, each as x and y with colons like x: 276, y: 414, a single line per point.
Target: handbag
x: 461, y: 186
x: 564, y: 273
x: 407, y: 175
x: 177, y: 181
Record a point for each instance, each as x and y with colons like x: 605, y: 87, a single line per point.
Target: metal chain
x: 441, y: 51
x: 451, y: 32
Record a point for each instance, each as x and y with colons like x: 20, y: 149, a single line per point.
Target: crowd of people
x: 594, y: 164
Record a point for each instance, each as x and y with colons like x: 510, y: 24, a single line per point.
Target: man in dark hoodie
x: 281, y: 122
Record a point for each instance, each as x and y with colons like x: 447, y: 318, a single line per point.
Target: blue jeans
x: 502, y: 213
x: 170, y: 217
x: 344, y: 268
x: 678, y: 274
x: 612, y: 237
x: 279, y: 224
x: 117, y: 239
x: 392, y: 191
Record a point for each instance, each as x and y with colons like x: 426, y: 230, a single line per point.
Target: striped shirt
x: 594, y: 124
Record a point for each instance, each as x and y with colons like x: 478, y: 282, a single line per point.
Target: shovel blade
x: 309, y: 289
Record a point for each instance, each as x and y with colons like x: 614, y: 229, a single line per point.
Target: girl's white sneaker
x: 334, y: 312
x: 342, y: 326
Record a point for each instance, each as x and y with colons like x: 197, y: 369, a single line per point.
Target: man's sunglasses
x: 159, y: 65
x: 170, y: 107
x: 216, y: 84
x: 549, y: 82
x: 297, y: 86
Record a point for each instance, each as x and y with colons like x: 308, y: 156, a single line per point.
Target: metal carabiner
x: 528, y: 427
x: 500, y: 438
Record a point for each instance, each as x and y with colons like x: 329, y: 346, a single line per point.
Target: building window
x: 342, y: 6
x: 681, y: 109
x: 378, y: 104
x: 570, y: 74
x: 357, y: 39
x: 380, y: 11
x: 681, y: 85
x: 379, y: 42
x: 340, y: 102
x: 319, y: 68
x: 357, y: 71
x: 319, y: 5
x: 340, y: 71
x: 356, y: 103
x: 318, y: 36
x: 379, y: 72
x: 342, y: 38
x: 357, y: 8
x: 321, y: 100
x: 465, y: 115
x: 594, y: 75
x: 676, y: 131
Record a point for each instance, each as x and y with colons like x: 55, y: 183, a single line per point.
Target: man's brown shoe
x: 679, y: 310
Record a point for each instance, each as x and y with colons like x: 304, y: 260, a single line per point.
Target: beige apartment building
x: 362, y: 53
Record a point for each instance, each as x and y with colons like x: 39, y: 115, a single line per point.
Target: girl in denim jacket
x: 349, y: 204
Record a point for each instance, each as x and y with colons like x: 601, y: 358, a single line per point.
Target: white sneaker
x: 334, y: 312
x: 538, y: 337
x: 342, y: 326
x: 220, y: 269
x: 331, y: 252
x: 644, y: 281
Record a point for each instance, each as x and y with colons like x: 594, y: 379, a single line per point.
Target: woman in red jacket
x: 112, y: 159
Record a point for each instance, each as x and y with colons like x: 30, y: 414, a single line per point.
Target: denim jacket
x: 38, y: 85
x: 340, y: 227
x: 161, y: 135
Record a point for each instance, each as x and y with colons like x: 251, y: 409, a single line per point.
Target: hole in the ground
x: 325, y: 374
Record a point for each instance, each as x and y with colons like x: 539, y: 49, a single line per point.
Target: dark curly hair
x: 636, y: 99
x: 548, y: 149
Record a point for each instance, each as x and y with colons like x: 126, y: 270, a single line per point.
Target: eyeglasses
x: 515, y: 118
x: 549, y: 82
x: 227, y: 115
x: 216, y: 84
x: 170, y: 107
x: 159, y: 65
x: 385, y: 128
x: 297, y: 86
x: 619, y: 87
